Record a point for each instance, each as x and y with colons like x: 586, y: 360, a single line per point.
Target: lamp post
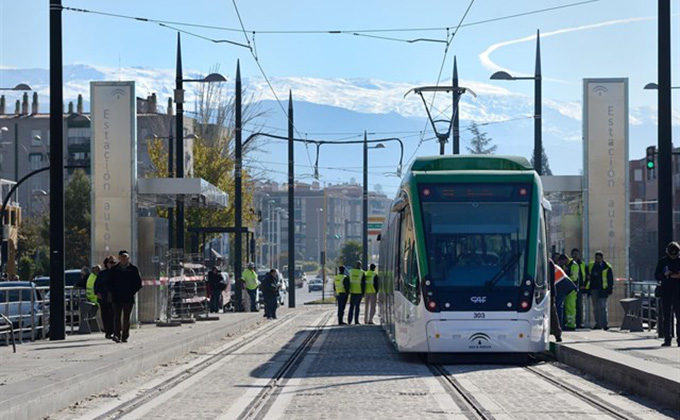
x: 20, y: 86
x: 538, y: 140
x: 364, y: 250
x: 179, y: 132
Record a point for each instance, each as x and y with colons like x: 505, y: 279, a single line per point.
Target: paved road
x: 349, y: 372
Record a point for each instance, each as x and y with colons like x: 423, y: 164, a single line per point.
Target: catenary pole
x: 57, y: 316
x: 665, y: 142
x: 291, y: 205
x: 456, y: 97
x: 238, y: 205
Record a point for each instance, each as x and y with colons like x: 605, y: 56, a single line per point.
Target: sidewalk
x: 633, y: 361
x: 46, y: 376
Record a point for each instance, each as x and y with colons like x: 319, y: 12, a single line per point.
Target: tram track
x: 260, y: 405
x: 147, y: 396
x: 464, y: 399
x: 591, y: 400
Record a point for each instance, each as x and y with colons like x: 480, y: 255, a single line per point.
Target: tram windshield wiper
x: 508, y: 265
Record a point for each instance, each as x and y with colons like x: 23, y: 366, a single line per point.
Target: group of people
x: 355, y: 285
x: 572, y: 279
x: 269, y: 287
x: 113, y: 287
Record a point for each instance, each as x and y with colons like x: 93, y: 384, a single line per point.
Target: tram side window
x: 409, y: 264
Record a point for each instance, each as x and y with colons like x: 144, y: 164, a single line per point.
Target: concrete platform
x: 635, y: 362
x: 46, y: 376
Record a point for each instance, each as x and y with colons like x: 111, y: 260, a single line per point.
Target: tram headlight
x: 524, y: 304
x: 432, y: 305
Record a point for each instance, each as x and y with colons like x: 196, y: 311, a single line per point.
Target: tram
x: 463, y: 258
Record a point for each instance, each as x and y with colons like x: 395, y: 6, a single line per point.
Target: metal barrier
x: 644, y: 290
x: 27, y: 313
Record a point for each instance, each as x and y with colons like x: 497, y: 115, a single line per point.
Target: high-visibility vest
x: 370, y: 275
x: 250, y: 278
x: 89, y: 288
x: 339, y: 284
x: 355, y: 276
x: 605, y: 274
x: 573, y: 271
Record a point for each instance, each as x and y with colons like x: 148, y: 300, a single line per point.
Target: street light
x: 179, y: 101
x: 654, y: 86
x: 364, y: 250
x: 538, y: 141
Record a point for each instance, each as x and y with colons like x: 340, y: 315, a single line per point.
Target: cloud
x: 487, y: 62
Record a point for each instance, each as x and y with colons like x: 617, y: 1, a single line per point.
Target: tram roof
x: 471, y: 163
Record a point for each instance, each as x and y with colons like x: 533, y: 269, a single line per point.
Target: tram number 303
x: 478, y: 315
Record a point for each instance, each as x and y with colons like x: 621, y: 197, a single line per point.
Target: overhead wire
x: 326, y: 31
x: 449, y: 40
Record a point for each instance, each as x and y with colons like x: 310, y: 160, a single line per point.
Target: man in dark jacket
x: 101, y: 289
x: 215, y: 286
x: 668, y: 273
x: 270, y: 288
x: 124, y: 283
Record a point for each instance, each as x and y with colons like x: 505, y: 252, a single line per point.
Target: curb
x: 634, y: 375
x: 95, y: 376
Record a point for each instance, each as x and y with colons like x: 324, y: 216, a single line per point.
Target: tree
x: 350, y: 253
x: 34, y: 243
x: 26, y: 268
x: 77, y: 202
x: 544, y: 162
x: 480, y: 144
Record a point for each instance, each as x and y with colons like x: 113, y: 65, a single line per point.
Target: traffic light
x: 651, y: 151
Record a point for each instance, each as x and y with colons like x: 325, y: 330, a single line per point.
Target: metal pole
x: 291, y: 205
x: 57, y: 318
x: 238, y: 207
x: 538, y: 140
x: 16, y: 157
x: 171, y: 211
x: 364, y: 247
x: 278, y: 234
x: 665, y: 142
x: 179, y: 132
x: 270, y: 238
x: 456, y: 99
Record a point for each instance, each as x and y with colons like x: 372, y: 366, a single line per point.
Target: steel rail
x: 145, y: 397
x: 460, y: 395
x: 258, y: 408
x: 591, y: 400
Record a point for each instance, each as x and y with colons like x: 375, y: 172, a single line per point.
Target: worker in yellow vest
x: 599, y: 286
x: 341, y: 288
x: 372, y: 289
x: 249, y: 276
x: 357, y: 288
x: 90, y: 295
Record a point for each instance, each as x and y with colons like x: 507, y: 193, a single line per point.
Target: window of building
x: 35, y: 161
x: 637, y: 175
x: 79, y: 136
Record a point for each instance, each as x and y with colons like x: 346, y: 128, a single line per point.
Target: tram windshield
x: 476, y: 235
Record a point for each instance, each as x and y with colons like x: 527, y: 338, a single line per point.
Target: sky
x: 600, y: 38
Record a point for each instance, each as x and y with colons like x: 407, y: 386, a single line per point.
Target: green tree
x: 34, y: 242
x: 544, y: 162
x: 77, y: 203
x: 480, y: 144
x: 26, y: 268
x: 350, y: 253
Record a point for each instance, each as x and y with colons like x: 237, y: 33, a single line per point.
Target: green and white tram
x: 463, y: 258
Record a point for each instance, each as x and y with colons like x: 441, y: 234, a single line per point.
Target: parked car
x: 72, y: 296
x: 314, y: 284
x: 19, y: 301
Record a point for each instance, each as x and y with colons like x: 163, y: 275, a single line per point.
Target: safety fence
x: 650, y: 303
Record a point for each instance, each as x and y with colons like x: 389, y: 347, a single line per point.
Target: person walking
x: 568, y: 319
x: 668, y: 274
x: 372, y: 289
x: 341, y: 288
x: 270, y: 290
x: 124, y: 283
x: 250, y: 277
x: 599, y: 286
x: 215, y: 288
x: 357, y: 288
x: 101, y: 289
x: 577, y: 274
